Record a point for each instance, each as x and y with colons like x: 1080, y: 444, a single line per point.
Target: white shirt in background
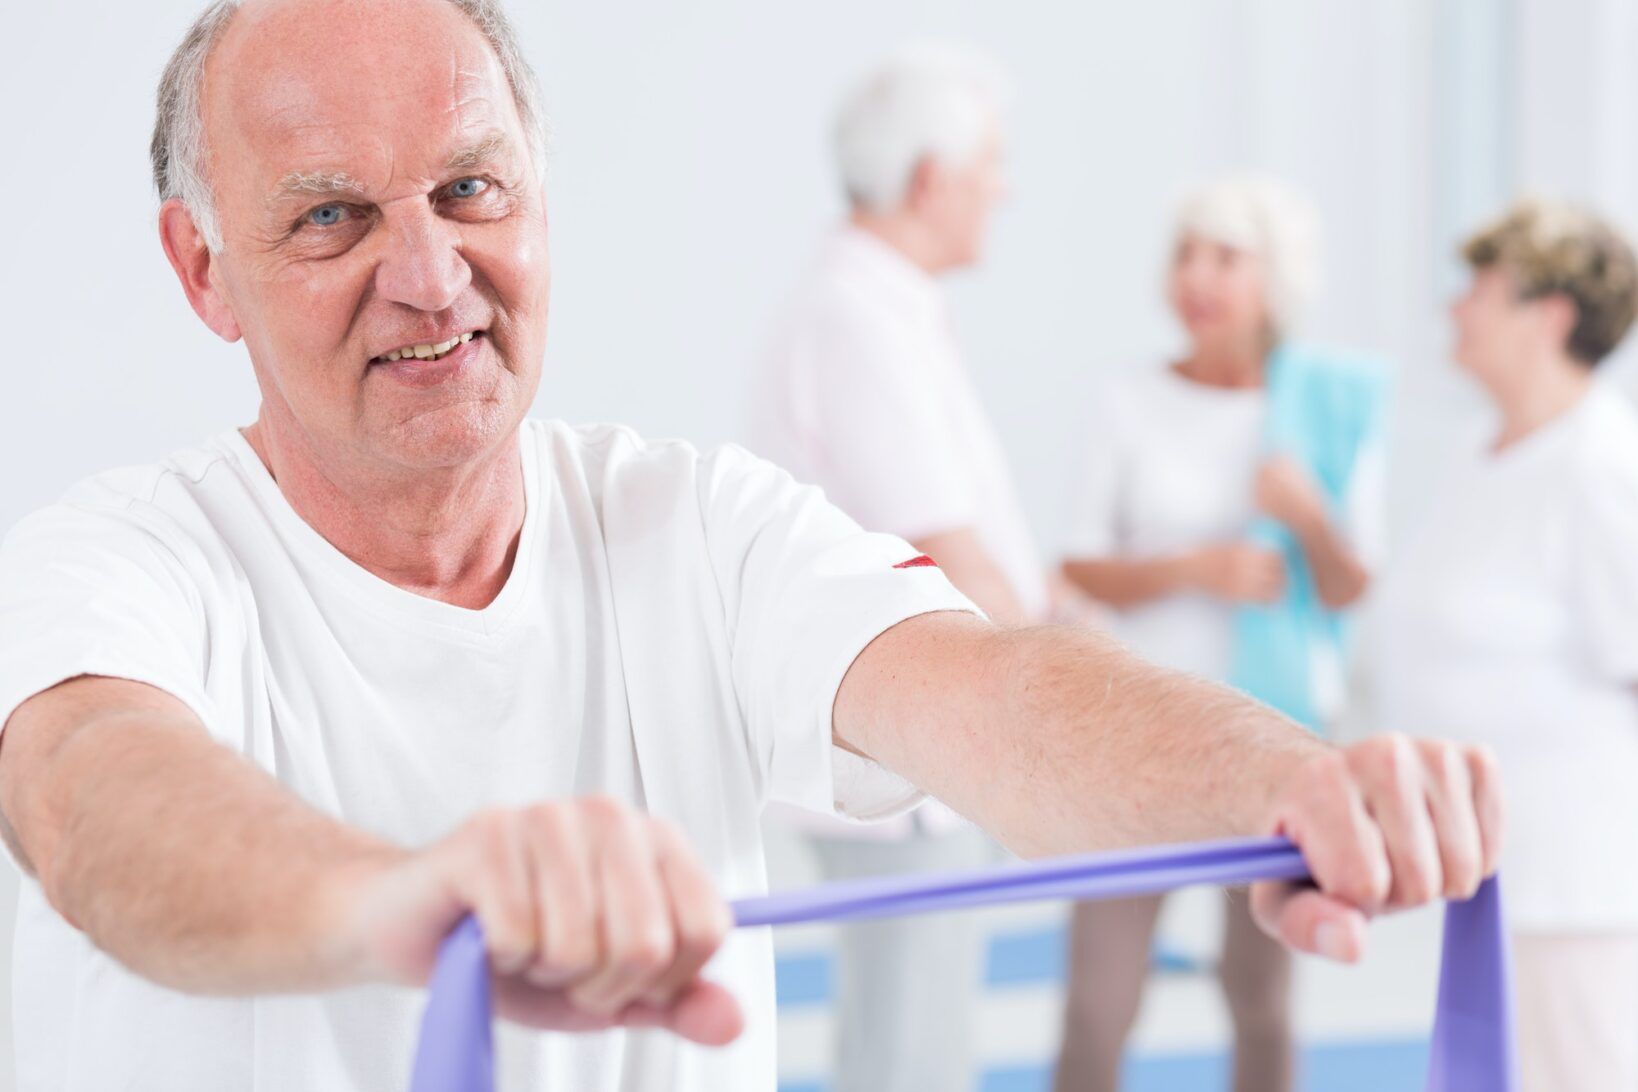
x: 1511, y: 618
x: 673, y: 632
x: 863, y: 393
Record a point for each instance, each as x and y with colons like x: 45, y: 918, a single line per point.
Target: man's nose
x: 422, y: 267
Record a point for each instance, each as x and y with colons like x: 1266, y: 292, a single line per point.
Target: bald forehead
x: 316, y: 80
x: 295, y: 56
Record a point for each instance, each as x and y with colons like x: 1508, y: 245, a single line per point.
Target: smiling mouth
x: 427, y: 350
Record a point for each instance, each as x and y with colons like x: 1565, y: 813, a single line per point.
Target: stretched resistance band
x: 1472, y: 1028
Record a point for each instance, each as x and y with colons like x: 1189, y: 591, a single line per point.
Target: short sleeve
x: 1361, y: 515
x: 1096, y: 502
x: 805, y: 590
x: 1604, y: 549
x: 891, y: 457
x: 92, y: 591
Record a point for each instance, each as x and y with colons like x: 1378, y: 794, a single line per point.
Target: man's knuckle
x: 605, y: 810
x: 487, y: 824
x: 1482, y: 762
x: 1415, y: 886
x: 573, y: 952
x: 1331, y: 775
x: 649, y: 951
x: 705, y: 934
x: 1462, y: 875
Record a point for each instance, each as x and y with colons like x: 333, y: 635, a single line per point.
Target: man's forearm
x: 185, y: 862
x: 1059, y: 740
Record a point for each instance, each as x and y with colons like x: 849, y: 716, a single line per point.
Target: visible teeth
x: 427, y: 352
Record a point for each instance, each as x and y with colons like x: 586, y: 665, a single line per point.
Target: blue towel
x: 1324, y: 408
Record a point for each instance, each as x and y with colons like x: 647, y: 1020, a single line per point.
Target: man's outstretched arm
x: 196, y: 869
x: 1058, y: 740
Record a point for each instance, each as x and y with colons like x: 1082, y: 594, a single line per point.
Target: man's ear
x: 925, y: 180
x: 185, y: 249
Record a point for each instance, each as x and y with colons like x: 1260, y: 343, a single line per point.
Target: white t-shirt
x: 1511, y: 618
x: 673, y: 632
x: 863, y: 393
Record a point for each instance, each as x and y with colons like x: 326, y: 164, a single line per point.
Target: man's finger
x: 1308, y: 920
x: 570, y: 946
x: 1395, y: 789
x: 1485, y: 773
x: 1455, y: 821
x: 638, y: 938
x: 699, y: 916
x: 1342, y: 843
x: 705, y: 1012
x: 502, y: 891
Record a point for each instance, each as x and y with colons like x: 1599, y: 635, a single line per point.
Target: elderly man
x: 282, y: 708
x: 864, y: 393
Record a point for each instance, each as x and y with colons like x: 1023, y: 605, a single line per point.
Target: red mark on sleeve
x: 920, y: 561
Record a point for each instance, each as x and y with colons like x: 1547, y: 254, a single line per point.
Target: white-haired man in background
x: 864, y: 393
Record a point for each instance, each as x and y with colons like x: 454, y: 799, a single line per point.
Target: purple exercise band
x: 1472, y: 1048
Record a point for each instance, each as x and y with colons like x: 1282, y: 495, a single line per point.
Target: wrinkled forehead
x: 382, y: 91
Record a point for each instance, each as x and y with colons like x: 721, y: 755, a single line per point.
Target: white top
x: 673, y: 632
x: 863, y: 393
x: 1511, y: 619
x: 1169, y: 465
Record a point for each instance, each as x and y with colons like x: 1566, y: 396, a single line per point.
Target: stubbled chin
x: 451, y: 435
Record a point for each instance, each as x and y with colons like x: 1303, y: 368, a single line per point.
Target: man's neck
x: 905, y: 234
x: 449, y: 534
x: 1538, y: 396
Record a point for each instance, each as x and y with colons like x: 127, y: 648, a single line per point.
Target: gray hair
x: 1270, y: 219
x: 931, y: 100
x: 178, y: 149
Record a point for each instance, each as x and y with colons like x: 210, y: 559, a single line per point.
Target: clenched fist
x: 594, y: 914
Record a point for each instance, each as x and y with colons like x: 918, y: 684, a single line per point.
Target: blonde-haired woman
x: 1225, y: 515
x: 1511, y: 618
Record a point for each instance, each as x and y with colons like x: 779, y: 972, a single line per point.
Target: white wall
x: 689, y: 186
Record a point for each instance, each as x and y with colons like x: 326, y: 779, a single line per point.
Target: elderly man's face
x: 957, y: 201
x: 384, y: 232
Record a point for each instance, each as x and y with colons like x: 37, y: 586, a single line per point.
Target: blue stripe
x: 1387, y: 1066
x: 804, y: 979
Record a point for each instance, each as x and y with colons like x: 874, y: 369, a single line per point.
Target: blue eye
x: 468, y: 187
x: 327, y: 215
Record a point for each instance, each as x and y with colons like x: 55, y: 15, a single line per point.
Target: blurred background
x: 689, y: 186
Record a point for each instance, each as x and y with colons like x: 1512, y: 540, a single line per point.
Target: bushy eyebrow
x: 493, y: 146
x: 315, y: 183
